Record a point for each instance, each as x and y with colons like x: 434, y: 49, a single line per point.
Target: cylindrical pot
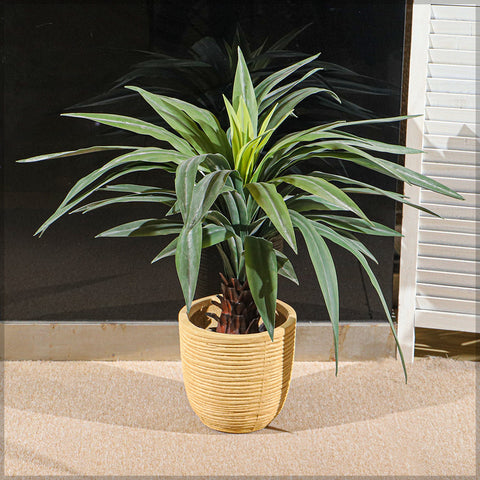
x: 236, y: 383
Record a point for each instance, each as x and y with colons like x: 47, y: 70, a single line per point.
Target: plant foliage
x: 236, y: 190
x: 208, y: 72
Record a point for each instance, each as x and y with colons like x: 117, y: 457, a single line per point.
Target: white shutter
x: 440, y: 258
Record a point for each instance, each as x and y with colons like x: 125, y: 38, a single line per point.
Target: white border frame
x: 414, y: 139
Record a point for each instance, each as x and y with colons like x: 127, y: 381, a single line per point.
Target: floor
x: 133, y: 418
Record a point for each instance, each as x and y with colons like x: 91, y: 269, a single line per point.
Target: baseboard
x: 159, y: 341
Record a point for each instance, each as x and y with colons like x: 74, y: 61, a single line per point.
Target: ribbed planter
x: 236, y: 383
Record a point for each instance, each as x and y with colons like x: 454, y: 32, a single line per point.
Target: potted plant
x: 237, y: 190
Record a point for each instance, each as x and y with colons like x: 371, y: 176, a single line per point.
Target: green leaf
x: 207, y: 122
x: 285, y: 267
x: 304, y: 203
x: 235, y: 129
x: 324, y: 190
x: 178, y: 120
x: 370, y: 121
x: 168, y: 200
x: 261, y: 270
x: 204, y: 194
x: 378, y: 289
x: 371, y: 190
x: 248, y: 154
x: 226, y: 262
x: 287, y: 103
x: 343, y: 239
x: 72, y: 153
x: 243, y: 90
x: 357, y: 225
x: 274, y: 95
x: 147, y: 227
x: 265, y: 86
x: 137, y: 189
x: 168, y: 251
x: 211, y: 235
x: 354, y: 248
x: 272, y: 203
x: 137, y: 126
x: 143, y: 159
x: 392, y: 169
x: 325, y: 270
x: 185, y: 177
x: 187, y: 260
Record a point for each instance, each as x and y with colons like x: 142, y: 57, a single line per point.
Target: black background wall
x: 60, y: 53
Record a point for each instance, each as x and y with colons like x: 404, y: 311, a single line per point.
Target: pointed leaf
x: 187, y: 260
x: 137, y: 126
x: 168, y: 251
x: 285, y: 267
x: 243, y: 89
x: 323, y: 189
x: 147, y: 227
x: 265, y: 86
x: 143, y: 159
x: 71, y: 153
x: 358, y: 225
x: 178, y: 120
x: 272, y: 203
x: 325, y: 270
x: 261, y: 270
x: 168, y: 200
x: 205, y: 193
x: 392, y: 169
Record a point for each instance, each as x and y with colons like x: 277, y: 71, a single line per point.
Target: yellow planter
x: 236, y: 383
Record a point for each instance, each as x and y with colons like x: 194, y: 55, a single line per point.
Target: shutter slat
x: 447, y: 305
x: 446, y: 321
x: 451, y: 170
x: 454, y: 27
x: 454, y: 12
x: 444, y: 142
x: 452, y: 57
x: 447, y: 252
x: 471, y: 199
x: 467, y: 72
x: 447, y: 291
x: 463, y: 157
x: 450, y: 279
x: 451, y: 211
x: 451, y: 100
x: 449, y: 238
x: 435, y: 127
x: 448, y: 265
x: 453, y: 42
x: 460, y: 226
x: 449, y: 85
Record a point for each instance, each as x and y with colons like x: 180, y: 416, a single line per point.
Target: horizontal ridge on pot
x: 236, y: 383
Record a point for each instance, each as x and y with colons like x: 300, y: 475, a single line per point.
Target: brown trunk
x: 239, y: 313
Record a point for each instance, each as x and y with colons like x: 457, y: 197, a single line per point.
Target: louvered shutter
x: 440, y: 258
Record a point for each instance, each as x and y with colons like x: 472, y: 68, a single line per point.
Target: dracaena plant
x: 235, y: 190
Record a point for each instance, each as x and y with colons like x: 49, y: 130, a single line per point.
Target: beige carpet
x: 133, y: 418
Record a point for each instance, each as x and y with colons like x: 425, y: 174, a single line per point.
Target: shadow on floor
x: 37, y: 459
x: 106, y: 393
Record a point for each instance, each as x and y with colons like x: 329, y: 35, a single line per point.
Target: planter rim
x: 184, y: 319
